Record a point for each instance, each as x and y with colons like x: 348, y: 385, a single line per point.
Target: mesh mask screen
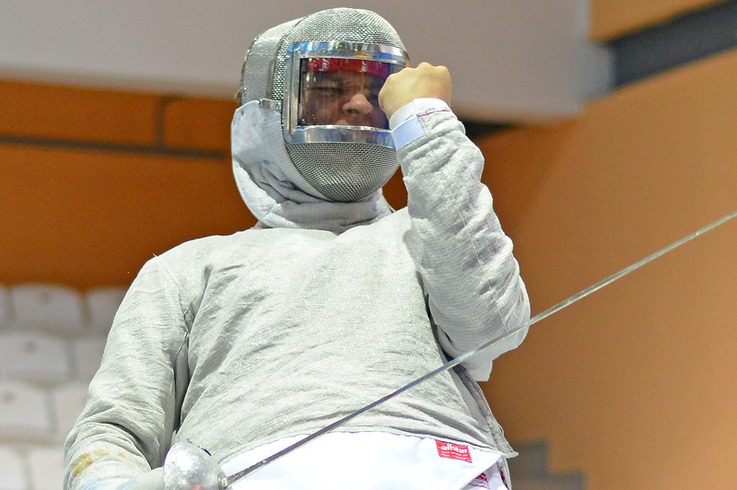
x: 344, y: 171
x: 336, y: 133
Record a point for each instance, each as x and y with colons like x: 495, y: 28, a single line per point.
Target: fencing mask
x: 324, y: 72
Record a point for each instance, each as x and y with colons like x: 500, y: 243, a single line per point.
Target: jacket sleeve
x: 132, y: 405
x: 474, y: 290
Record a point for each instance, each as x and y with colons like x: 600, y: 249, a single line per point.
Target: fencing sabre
x: 188, y: 466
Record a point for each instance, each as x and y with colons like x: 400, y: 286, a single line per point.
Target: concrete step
x: 530, y: 471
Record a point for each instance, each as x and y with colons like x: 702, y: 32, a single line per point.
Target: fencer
x: 243, y: 344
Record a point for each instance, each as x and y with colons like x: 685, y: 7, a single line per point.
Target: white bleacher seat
x: 48, y: 307
x: 102, y: 304
x: 12, y: 470
x: 69, y: 400
x: 33, y: 356
x: 25, y: 413
x: 47, y: 468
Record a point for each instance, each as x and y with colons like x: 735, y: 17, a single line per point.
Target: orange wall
x: 92, y: 217
x: 75, y: 213
x: 633, y: 385
x: 87, y: 217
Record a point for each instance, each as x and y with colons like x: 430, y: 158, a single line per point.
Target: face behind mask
x: 341, y: 91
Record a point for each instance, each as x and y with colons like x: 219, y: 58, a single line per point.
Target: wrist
x: 404, y: 123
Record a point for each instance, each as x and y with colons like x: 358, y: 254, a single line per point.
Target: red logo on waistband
x: 453, y: 451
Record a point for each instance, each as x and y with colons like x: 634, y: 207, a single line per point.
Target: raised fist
x: 423, y: 81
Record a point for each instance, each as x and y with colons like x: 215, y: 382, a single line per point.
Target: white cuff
x: 404, y: 123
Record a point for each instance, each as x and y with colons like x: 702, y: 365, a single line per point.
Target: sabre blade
x: 468, y: 355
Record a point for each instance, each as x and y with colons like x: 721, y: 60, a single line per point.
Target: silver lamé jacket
x: 323, y: 307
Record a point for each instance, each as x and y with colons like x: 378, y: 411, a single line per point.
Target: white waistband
x: 367, y: 461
